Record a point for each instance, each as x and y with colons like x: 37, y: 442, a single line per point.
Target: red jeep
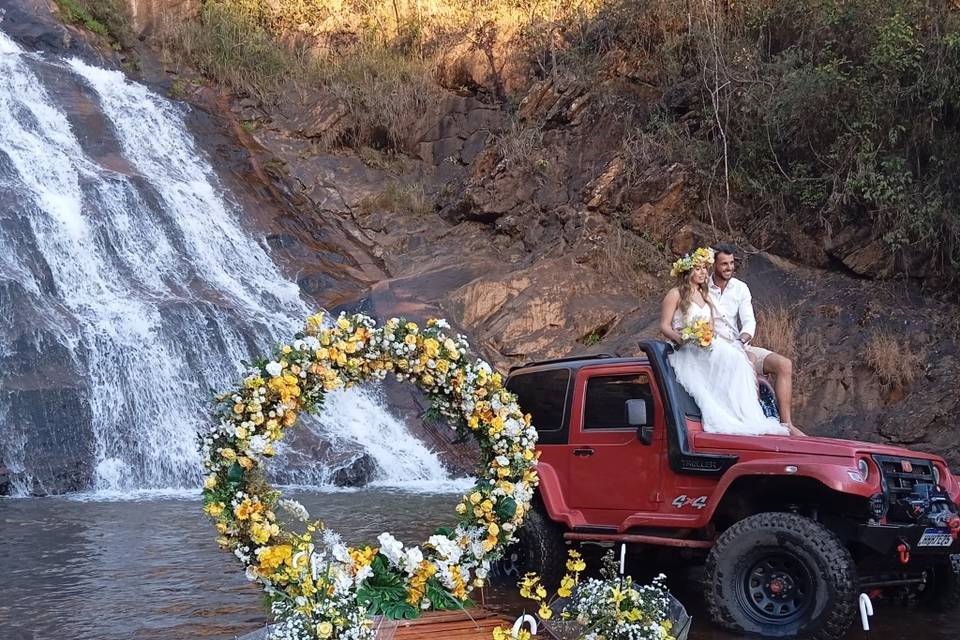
x: 791, y: 530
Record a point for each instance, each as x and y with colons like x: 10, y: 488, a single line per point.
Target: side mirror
x: 636, y: 411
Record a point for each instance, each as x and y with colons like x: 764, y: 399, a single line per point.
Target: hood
x: 806, y: 446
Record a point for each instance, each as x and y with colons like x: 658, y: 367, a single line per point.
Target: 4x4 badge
x: 683, y: 501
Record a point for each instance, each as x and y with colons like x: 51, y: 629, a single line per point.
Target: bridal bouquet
x: 699, y: 332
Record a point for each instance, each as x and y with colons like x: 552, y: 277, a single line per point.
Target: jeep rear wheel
x: 540, y: 548
x: 781, y: 575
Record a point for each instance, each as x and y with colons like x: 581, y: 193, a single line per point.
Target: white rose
x: 413, y: 559
x: 274, y: 368
x: 391, y: 548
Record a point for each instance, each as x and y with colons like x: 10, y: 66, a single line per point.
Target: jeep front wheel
x: 943, y: 589
x: 781, y: 575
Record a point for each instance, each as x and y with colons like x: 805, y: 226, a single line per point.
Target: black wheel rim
x: 775, y: 587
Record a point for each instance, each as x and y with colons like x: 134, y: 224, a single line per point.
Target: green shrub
x: 108, y: 18
x: 827, y: 111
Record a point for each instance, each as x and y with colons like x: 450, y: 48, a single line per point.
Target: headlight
x: 864, y: 469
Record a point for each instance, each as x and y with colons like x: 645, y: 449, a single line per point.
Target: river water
x: 82, y: 569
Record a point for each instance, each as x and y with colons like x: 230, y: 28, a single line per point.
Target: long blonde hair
x: 683, y: 286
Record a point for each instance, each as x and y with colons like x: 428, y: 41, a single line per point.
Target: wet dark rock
x: 356, y: 474
x: 32, y: 24
x: 47, y: 433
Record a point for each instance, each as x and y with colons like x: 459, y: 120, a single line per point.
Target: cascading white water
x: 164, y: 291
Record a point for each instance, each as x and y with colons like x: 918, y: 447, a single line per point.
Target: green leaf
x: 400, y: 611
x: 384, y: 593
x: 439, y: 597
x: 235, y: 474
x: 506, y: 508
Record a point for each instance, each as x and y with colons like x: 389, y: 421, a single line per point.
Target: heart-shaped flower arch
x: 318, y: 587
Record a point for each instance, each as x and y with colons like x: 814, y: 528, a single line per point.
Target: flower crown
x: 700, y: 257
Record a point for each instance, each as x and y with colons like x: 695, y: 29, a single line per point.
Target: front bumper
x: 885, y: 539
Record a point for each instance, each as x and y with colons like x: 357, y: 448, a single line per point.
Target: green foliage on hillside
x: 105, y: 17
x: 828, y: 112
x: 849, y: 111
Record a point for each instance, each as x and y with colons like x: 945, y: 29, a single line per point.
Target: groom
x: 737, y: 323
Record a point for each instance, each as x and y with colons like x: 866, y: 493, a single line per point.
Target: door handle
x: 583, y: 452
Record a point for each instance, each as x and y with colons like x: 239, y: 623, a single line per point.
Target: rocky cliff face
x: 553, y: 236
x: 548, y: 230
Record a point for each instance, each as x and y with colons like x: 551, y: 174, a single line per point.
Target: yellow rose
x: 410, y: 339
x: 343, y: 323
x: 214, y: 509
x: 246, y: 462
x: 210, y: 482
x: 324, y: 629
x: 242, y: 432
x: 475, y: 497
x: 228, y: 454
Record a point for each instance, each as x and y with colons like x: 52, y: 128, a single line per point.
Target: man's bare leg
x: 782, y: 370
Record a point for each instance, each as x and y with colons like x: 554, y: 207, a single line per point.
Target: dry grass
x: 777, y: 331
x: 628, y: 258
x: 385, y: 90
x: 379, y: 56
x: 894, y: 361
x: 521, y: 147
x: 399, y: 198
x: 382, y: 160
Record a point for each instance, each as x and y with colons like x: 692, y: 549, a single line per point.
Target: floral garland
x: 317, y: 586
x: 701, y: 257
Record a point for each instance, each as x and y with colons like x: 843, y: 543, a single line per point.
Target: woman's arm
x: 667, y: 309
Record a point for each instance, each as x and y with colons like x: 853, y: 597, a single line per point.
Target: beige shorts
x: 757, y: 355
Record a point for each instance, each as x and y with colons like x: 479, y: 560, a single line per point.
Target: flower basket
x: 572, y: 630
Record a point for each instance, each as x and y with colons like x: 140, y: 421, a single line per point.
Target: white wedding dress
x: 722, y: 382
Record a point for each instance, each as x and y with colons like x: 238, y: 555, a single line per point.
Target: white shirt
x: 734, y: 308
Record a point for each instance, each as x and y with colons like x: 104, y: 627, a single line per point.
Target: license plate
x: 935, y: 538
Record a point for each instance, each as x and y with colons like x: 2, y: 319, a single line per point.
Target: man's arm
x: 748, y: 321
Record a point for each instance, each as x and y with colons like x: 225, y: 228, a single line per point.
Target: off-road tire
x: 818, y: 571
x: 943, y: 590
x: 540, y: 548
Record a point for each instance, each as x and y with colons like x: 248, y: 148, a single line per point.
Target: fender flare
x: 832, y: 476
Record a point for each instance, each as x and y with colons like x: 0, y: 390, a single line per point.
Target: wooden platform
x: 475, y: 623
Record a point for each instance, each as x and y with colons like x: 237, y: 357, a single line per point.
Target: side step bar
x: 639, y: 539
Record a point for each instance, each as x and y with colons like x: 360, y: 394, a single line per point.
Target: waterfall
x: 151, y: 293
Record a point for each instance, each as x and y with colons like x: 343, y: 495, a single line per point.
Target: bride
x: 718, y: 376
